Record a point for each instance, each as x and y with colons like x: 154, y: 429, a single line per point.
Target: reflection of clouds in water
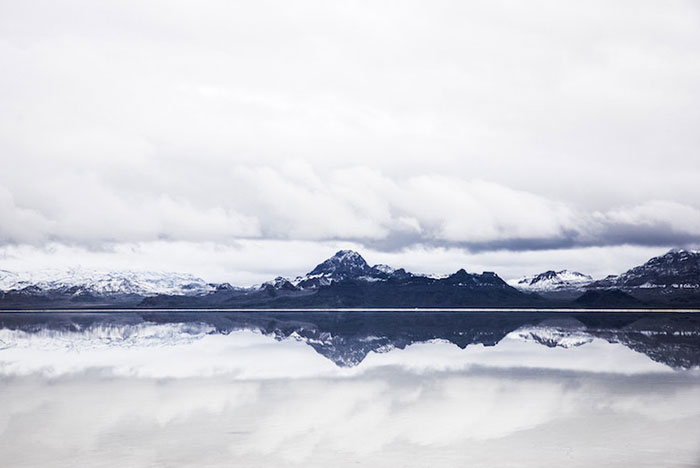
x: 441, y: 411
x: 386, y: 416
x: 245, y: 354
x: 246, y: 399
x: 596, y: 356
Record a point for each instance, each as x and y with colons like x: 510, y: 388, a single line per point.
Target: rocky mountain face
x: 346, y: 265
x: 670, y: 280
x: 676, y: 269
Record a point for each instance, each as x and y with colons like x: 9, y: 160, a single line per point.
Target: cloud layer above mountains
x: 482, y: 127
x: 358, y: 204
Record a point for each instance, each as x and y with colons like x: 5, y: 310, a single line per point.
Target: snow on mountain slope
x: 87, y: 281
x: 676, y: 269
x: 386, y: 269
x: 346, y: 264
x: 552, y: 280
x: 552, y: 336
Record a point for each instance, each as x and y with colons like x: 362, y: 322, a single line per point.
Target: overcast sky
x: 239, y: 140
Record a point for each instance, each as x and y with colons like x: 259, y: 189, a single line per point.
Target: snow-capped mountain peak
x: 278, y: 283
x: 552, y: 280
x: 346, y: 265
x: 344, y: 262
x: 384, y: 268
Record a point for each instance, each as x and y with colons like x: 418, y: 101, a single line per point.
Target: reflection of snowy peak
x: 552, y: 337
x: 107, y: 335
x: 83, y: 281
x: 552, y: 280
x: 342, y: 350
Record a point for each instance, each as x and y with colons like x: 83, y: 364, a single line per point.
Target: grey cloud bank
x: 398, y: 128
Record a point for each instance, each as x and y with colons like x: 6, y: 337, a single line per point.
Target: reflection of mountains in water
x: 346, y: 338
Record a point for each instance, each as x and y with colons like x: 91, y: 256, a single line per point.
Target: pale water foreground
x: 202, y: 389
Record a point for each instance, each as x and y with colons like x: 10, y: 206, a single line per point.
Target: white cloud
x: 20, y: 224
x: 673, y: 216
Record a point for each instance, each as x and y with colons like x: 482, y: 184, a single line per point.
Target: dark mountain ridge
x: 347, y: 280
x: 672, y: 280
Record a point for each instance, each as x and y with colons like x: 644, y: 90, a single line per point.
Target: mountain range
x: 347, y: 280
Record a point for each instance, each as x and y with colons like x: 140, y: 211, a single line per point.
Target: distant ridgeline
x: 347, y: 280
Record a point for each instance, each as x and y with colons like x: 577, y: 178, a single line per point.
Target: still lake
x: 495, y: 388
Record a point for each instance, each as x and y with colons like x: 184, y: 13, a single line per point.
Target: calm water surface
x: 349, y: 389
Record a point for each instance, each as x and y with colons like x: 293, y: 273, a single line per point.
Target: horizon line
x: 364, y: 309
